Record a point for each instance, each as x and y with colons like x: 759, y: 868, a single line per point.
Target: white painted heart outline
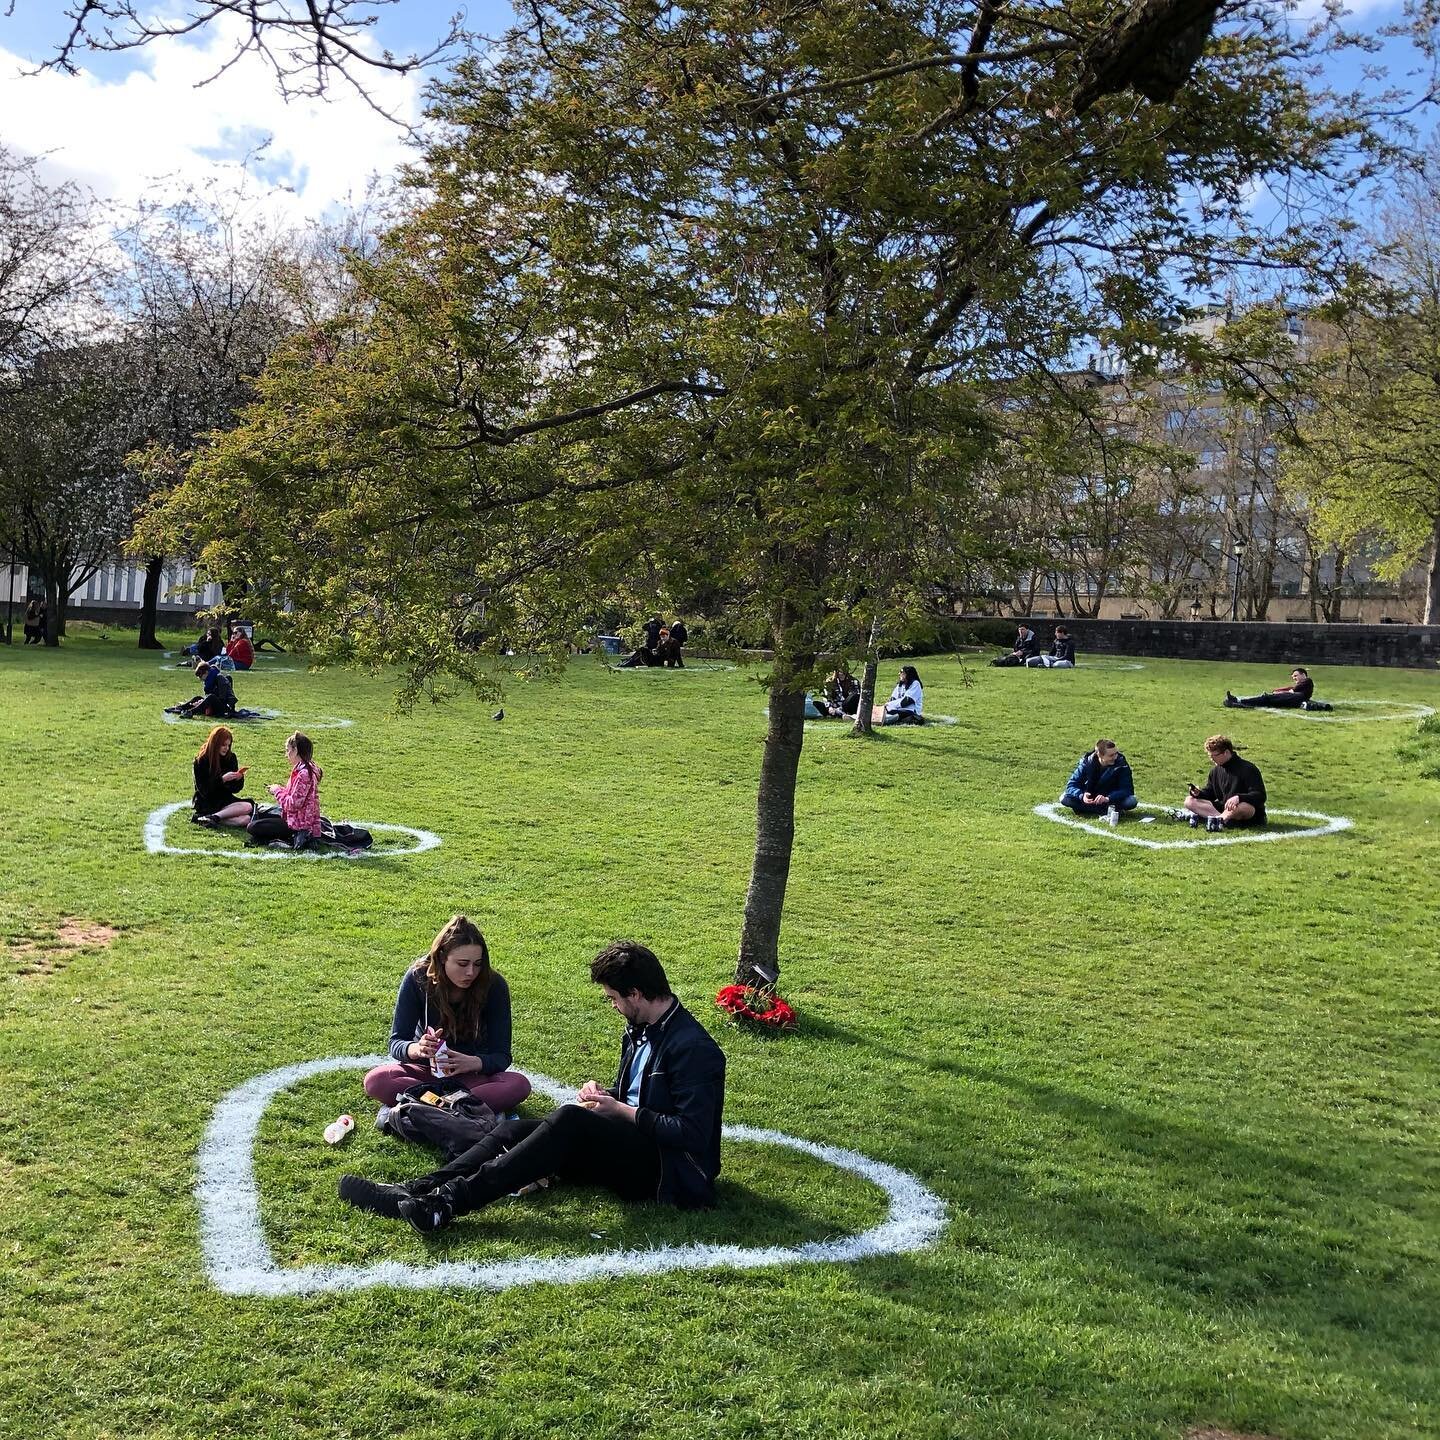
x: 156, y: 844
x: 238, y: 1260
x: 1097, y: 826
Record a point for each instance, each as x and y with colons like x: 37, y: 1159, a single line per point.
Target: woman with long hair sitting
x: 219, y: 778
x: 452, y: 1019
x: 299, y: 796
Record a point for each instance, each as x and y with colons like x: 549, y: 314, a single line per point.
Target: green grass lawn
x: 1181, y: 1105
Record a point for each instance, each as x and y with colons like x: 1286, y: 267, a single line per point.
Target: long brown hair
x: 210, y: 750
x: 459, y: 1012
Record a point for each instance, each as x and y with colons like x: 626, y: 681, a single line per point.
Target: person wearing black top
x: 1061, y: 655
x: 1288, y: 697
x: 219, y: 778
x: 652, y: 1135
x: 1233, y: 793
x: 1027, y: 647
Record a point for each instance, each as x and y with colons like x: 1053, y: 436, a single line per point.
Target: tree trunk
x: 774, y: 837
x: 54, y: 624
x: 149, y: 601
x: 864, y: 724
x: 1431, y: 613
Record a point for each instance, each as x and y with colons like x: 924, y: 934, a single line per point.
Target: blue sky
x: 133, y: 124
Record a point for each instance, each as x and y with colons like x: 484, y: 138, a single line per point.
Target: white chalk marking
x: 269, y: 669
x: 264, y: 717
x: 1401, y: 710
x: 1100, y: 665
x: 157, y: 821
x: 260, y: 717
x: 238, y: 1259
x: 1062, y: 816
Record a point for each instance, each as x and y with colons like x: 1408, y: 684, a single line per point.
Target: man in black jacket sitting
x: 1233, y: 793
x: 653, y: 1135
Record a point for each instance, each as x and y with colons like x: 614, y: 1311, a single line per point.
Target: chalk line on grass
x: 157, y: 821
x: 264, y: 717
x: 1403, y: 710
x: 1061, y: 816
x: 238, y: 1259
x: 1103, y: 665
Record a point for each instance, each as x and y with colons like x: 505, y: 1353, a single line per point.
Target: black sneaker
x: 373, y: 1197
x: 1231, y: 703
x: 427, y: 1213
x: 1214, y: 824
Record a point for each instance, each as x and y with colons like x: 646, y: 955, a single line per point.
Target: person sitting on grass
x: 652, y: 1135
x: 218, y: 700
x: 452, y: 1020
x: 1061, y: 655
x: 670, y: 651
x: 842, y: 694
x: 219, y: 778
x: 1027, y: 647
x: 299, y: 797
x: 906, y: 705
x: 1101, y: 784
x: 240, y: 650
x: 1288, y: 697
x: 1233, y: 794
x: 207, y: 647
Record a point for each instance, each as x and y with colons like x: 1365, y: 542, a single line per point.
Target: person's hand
x: 274, y: 790
x: 460, y: 1063
x: 425, y: 1047
x: 607, y: 1105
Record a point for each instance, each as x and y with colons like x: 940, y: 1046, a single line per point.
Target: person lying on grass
x: 1233, y: 794
x: 1287, y: 697
x: 906, y: 705
x: 652, y: 1135
x: 1101, y: 784
x: 219, y: 778
x: 452, y: 1019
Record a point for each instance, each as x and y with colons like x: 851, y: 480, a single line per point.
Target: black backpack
x: 341, y: 832
x: 451, y: 1118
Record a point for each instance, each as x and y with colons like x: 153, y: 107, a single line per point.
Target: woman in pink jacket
x: 299, y: 797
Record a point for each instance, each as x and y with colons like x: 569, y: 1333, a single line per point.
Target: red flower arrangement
x: 758, y: 1004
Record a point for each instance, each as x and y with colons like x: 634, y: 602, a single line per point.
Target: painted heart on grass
x: 1096, y: 826
x: 238, y: 1260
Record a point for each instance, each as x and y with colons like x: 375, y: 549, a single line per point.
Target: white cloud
x: 158, y: 128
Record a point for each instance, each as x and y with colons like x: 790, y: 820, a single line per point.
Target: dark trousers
x: 1014, y: 658
x: 576, y: 1144
x: 1271, y: 701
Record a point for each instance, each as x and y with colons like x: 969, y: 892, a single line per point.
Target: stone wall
x: 1412, y: 646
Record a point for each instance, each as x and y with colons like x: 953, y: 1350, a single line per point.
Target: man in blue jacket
x: 652, y: 1135
x: 1101, y: 784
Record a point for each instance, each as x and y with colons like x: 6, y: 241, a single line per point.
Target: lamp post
x: 1235, y: 591
x: 1195, y: 609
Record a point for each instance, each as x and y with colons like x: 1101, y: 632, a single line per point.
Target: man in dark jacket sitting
x: 1101, y: 784
x: 1027, y: 646
x: 1233, y: 794
x: 1288, y: 697
x: 652, y: 1135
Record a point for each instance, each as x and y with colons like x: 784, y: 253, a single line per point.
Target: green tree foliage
x: 1368, y: 456
x: 729, y: 286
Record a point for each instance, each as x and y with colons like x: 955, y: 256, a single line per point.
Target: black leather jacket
x: 682, y: 1094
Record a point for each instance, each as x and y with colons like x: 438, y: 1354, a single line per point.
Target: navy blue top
x: 1114, y: 779
x: 413, y: 1014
